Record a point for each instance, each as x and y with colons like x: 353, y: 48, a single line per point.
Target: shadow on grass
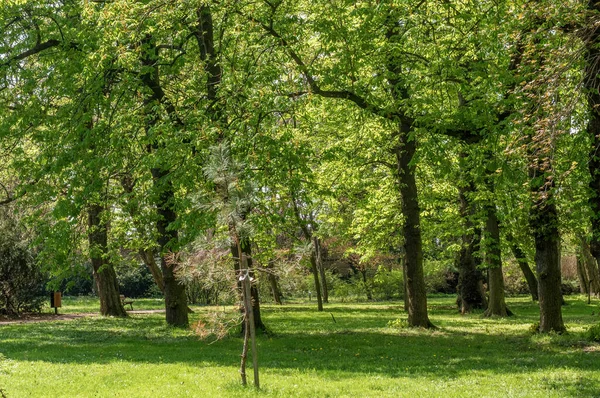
x: 358, y: 342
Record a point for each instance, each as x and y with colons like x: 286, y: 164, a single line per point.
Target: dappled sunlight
x: 363, y: 341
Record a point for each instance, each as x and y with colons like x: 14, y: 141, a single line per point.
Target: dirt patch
x: 32, y: 318
x: 134, y: 312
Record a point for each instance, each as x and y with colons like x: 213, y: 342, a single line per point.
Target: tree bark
x: 104, y: 273
x: 147, y: 256
x: 582, y: 276
x: 321, y: 267
x: 470, y: 281
x: 274, y: 283
x: 592, y: 83
x: 544, y: 224
x: 521, y: 259
x: 413, y: 245
x: 496, y: 302
x: 589, y: 265
x: 315, y: 272
x: 246, y: 249
x: 175, y: 295
x: 368, y: 292
x: 404, y: 151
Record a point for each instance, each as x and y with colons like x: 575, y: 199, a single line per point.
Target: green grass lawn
x: 361, y: 354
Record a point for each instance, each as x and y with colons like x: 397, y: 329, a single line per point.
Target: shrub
x: 593, y: 333
x: 439, y: 277
x: 388, y: 284
x: 22, y: 283
x: 80, y: 281
x: 345, y: 289
x: 135, y: 281
x: 534, y: 328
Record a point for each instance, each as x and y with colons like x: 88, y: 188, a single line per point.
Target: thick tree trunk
x: 321, y: 267
x: 470, y: 281
x: 521, y: 259
x: 592, y: 82
x: 104, y: 273
x: 175, y: 295
x: 496, y: 302
x: 544, y: 224
x: 413, y: 245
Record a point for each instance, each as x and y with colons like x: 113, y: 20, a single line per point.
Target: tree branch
x: 315, y: 88
x: 38, y: 48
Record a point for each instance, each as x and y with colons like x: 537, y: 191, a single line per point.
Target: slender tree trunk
x: 363, y: 272
x: 148, y: 258
x: 402, y: 263
x: 246, y: 249
x: 405, y: 288
x: 582, y: 276
x: 496, y: 303
x: 315, y: 272
x: 404, y: 151
x: 104, y: 273
x: 319, y: 257
x: 588, y: 262
x: 470, y: 283
x: 413, y: 246
x: 521, y: 259
x: 147, y: 255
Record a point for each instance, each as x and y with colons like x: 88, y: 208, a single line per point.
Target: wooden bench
x: 126, y: 301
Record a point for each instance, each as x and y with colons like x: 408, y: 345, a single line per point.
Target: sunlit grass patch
x: 349, y: 350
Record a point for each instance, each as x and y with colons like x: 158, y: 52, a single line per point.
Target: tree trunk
x: 315, y: 272
x: 588, y: 262
x: 470, y: 284
x: 147, y: 257
x: 582, y: 276
x: 413, y: 246
x: 274, y: 283
x: 404, y: 150
x: 401, y: 259
x: 363, y: 272
x: 496, y: 302
x: 544, y: 224
x: 104, y: 273
x: 592, y: 82
x: 321, y: 267
x: 246, y: 249
x: 175, y: 296
x: 521, y: 259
